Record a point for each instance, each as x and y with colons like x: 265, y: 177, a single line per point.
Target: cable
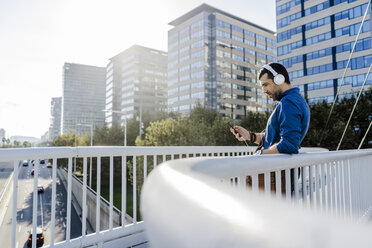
x: 352, y: 112
x: 343, y: 76
x: 365, y: 135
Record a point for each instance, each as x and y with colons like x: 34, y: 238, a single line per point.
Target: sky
x: 39, y: 36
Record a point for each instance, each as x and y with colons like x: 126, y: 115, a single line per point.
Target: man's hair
x: 280, y: 69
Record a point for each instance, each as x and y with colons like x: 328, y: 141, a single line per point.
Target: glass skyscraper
x: 83, y: 97
x: 55, y: 119
x: 136, y: 81
x: 315, y: 39
x: 213, y: 59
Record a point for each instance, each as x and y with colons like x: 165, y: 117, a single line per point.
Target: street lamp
x: 125, y: 122
x: 91, y: 144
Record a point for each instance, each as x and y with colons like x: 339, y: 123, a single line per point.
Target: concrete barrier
x: 77, y: 193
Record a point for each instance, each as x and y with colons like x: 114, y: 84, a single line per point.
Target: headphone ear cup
x: 279, y: 79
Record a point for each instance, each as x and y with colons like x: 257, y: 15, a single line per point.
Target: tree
x: 105, y: 136
x: 16, y: 143
x: 337, y: 122
x: 203, y: 127
x: 26, y: 144
x: 67, y: 139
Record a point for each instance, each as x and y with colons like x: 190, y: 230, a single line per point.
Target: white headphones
x: 278, y: 78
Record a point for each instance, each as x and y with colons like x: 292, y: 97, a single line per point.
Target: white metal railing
x: 206, y: 202
x: 113, y: 236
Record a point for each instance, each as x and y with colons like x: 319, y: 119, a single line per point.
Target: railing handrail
x: 204, y: 212
x: 224, y: 167
x: 87, y: 151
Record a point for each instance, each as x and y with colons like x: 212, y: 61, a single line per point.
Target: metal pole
x: 90, y: 164
x: 74, y: 157
x: 125, y: 131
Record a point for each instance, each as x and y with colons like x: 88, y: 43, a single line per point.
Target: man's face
x: 269, y: 87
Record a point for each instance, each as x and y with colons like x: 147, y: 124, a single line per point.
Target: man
x: 288, y: 123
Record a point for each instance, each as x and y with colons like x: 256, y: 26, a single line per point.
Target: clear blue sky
x: 38, y: 37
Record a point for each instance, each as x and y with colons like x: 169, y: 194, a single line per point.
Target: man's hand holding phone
x: 240, y: 133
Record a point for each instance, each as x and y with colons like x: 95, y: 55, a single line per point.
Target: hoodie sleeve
x: 289, y: 118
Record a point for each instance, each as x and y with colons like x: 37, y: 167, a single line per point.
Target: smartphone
x: 236, y: 131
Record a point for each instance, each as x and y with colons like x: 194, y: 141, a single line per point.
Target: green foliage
x: 255, y: 121
x: 71, y: 139
x: 356, y: 130
x: 105, y: 136
x: 26, y: 144
x: 203, y: 127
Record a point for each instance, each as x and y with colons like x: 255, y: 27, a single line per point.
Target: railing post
x: 304, y: 186
x: 288, y: 184
x: 14, y: 206
x: 144, y: 168
x: 311, y: 186
x: 323, y: 176
x: 134, y: 189
x: 84, y: 205
x: 111, y: 191
x: 317, y: 185
x: 350, y: 205
x: 34, y: 205
x: 98, y: 199
x: 278, y: 184
x: 267, y: 183
x: 69, y: 182
x: 296, y: 186
x: 255, y: 183
x: 54, y: 195
x: 123, y: 189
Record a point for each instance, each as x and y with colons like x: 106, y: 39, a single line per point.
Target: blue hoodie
x: 289, y: 122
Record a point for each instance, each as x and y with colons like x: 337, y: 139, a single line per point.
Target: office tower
x: 213, y: 59
x: 55, y: 117
x: 315, y: 39
x: 83, y: 97
x: 2, y: 133
x: 136, y: 82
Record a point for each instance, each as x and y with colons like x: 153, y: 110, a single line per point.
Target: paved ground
x: 24, y: 210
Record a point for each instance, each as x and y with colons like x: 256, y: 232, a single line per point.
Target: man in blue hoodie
x: 288, y: 123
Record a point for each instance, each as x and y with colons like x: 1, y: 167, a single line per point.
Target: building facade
x: 83, y: 97
x: 55, y: 118
x: 315, y: 40
x: 2, y: 134
x: 213, y: 60
x: 136, y: 82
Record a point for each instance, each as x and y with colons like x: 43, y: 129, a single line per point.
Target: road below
x: 25, y: 206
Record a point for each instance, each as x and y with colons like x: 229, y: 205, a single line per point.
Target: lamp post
x: 91, y: 144
x: 125, y: 121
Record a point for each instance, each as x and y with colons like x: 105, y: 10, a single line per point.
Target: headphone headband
x: 270, y: 69
x: 278, y: 78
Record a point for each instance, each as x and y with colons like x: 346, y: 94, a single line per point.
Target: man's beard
x: 275, y: 96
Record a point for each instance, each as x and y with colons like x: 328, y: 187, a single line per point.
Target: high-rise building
x: 83, y: 98
x: 315, y: 40
x: 2, y: 134
x: 55, y: 117
x: 214, y: 58
x: 136, y: 82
